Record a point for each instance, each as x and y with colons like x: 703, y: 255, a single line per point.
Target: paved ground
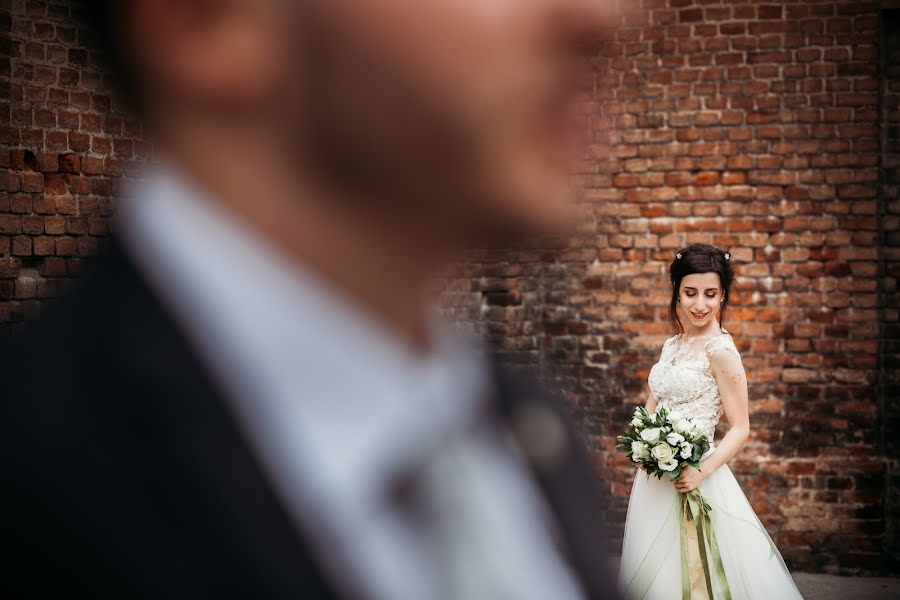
x: 815, y: 586
x: 831, y: 587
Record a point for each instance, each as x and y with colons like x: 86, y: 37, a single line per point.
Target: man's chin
x: 525, y: 226
x: 553, y: 213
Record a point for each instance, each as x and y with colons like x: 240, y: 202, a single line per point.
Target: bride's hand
x: 689, y: 479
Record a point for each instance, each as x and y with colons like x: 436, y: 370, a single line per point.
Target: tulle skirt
x: 651, y: 552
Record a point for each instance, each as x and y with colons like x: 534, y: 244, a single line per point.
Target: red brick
x: 44, y: 246
x: 55, y: 224
x: 66, y: 246
x: 21, y: 245
x: 55, y: 185
x: 32, y: 182
x: 92, y: 165
x: 47, y: 163
x: 69, y: 163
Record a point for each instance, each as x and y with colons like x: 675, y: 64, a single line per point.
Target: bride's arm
x: 732, y: 382
x: 650, y: 405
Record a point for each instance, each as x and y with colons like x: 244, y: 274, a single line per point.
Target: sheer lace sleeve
x: 721, y: 343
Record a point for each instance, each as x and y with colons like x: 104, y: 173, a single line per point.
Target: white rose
x: 638, y: 451
x: 683, y: 426
x: 635, y: 422
x: 651, y: 435
x: 674, y: 438
x: 686, y: 450
x: 673, y: 415
x: 663, y: 452
x: 667, y: 465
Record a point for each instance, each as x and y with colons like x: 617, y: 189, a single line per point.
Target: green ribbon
x: 692, y: 506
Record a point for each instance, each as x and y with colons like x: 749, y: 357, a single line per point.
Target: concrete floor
x: 815, y: 586
x: 831, y: 587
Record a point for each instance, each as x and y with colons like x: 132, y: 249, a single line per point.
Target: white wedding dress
x: 651, y: 552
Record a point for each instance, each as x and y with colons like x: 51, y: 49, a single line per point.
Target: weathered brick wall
x: 751, y: 125
x: 68, y: 143
x: 889, y: 218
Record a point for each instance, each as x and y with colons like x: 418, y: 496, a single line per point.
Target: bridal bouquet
x: 663, y: 442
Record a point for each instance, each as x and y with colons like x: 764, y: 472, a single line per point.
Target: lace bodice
x: 682, y: 379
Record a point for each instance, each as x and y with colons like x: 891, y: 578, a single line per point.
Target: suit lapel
x: 561, y: 468
x: 184, y: 451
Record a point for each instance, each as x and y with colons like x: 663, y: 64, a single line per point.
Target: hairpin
x: 678, y: 256
x: 727, y: 256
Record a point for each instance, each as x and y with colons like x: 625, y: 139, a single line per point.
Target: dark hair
x: 700, y: 258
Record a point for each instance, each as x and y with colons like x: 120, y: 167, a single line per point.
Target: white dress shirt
x: 335, y: 406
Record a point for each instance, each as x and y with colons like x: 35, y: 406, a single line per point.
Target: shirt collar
x: 302, y: 363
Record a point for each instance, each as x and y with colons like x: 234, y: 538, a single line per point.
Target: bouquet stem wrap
x: 693, y: 510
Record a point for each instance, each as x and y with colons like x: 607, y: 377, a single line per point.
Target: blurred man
x: 251, y: 396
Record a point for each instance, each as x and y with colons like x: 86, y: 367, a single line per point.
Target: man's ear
x: 215, y: 54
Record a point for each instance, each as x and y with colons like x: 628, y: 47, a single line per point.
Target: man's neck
x: 384, y: 265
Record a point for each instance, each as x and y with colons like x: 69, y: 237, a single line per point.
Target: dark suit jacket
x: 125, y: 476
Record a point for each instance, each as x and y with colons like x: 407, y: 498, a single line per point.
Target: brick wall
x: 753, y: 126
x: 889, y: 218
x: 68, y: 144
x: 750, y: 125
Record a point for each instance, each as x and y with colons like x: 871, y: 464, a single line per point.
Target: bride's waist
x: 706, y: 417
x: 698, y: 405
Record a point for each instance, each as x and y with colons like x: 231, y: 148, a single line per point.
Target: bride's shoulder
x: 671, y: 341
x: 716, y: 344
x: 667, y: 347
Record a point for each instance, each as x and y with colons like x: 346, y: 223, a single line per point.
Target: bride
x: 700, y: 375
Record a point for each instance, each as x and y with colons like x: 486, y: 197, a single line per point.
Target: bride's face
x: 699, y: 298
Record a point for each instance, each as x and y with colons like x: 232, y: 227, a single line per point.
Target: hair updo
x: 700, y: 258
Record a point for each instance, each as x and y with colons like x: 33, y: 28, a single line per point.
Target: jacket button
x: 541, y: 435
